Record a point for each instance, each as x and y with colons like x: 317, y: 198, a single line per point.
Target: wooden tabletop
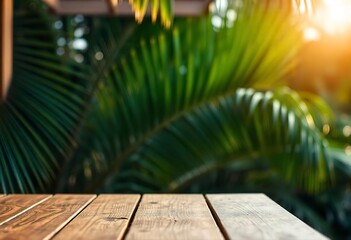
x: 152, y: 216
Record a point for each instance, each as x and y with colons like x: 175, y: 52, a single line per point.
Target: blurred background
x: 325, y: 58
x: 227, y: 96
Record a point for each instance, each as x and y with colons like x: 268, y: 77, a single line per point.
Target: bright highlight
x: 334, y: 16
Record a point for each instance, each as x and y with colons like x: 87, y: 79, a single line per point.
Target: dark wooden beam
x: 111, y: 4
x: 6, y: 10
x: 123, y: 8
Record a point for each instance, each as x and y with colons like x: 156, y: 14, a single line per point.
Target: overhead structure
x: 139, y: 8
x: 122, y: 7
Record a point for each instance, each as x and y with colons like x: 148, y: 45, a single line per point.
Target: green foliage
x: 40, y: 115
x: 191, y: 109
x: 169, y: 79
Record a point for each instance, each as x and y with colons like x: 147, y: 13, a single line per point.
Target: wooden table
x: 183, y: 216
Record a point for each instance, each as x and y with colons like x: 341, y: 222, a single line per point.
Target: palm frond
x: 39, y: 117
x: 248, y: 125
x: 166, y: 78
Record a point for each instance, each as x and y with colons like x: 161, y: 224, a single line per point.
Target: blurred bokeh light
x: 325, y: 60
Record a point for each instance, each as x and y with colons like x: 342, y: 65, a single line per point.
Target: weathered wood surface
x: 173, y: 217
x: 46, y: 219
x: 255, y: 216
x: 160, y: 216
x: 107, y: 217
x: 14, y: 205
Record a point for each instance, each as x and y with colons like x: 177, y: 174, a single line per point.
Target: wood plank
x: 12, y: 206
x: 107, y: 217
x: 255, y: 216
x: 173, y: 217
x: 6, y: 13
x: 46, y: 219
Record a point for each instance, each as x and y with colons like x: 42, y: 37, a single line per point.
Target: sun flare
x: 334, y: 16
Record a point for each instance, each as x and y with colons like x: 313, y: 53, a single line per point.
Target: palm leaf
x: 247, y: 125
x: 169, y: 78
x: 41, y: 112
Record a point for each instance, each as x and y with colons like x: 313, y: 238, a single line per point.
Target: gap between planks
x: 123, y: 237
x: 217, y: 219
x: 173, y: 216
x: 256, y: 216
x: 60, y: 227
x: 107, y: 217
x: 46, y: 219
x: 17, y: 204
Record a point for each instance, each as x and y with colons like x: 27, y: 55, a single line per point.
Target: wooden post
x: 6, y: 10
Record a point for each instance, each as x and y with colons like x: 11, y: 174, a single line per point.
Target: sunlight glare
x: 334, y: 16
x: 221, y: 5
x: 302, y: 7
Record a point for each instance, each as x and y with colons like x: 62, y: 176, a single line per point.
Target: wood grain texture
x: 46, y: 219
x: 255, y: 216
x: 107, y: 217
x: 6, y: 13
x: 173, y: 217
x: 12, y: 206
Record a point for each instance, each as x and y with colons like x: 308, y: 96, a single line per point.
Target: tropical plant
x: 170, y: 78
x: 191, y: 109
x: 191, y: 79
x: 39, y: 118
